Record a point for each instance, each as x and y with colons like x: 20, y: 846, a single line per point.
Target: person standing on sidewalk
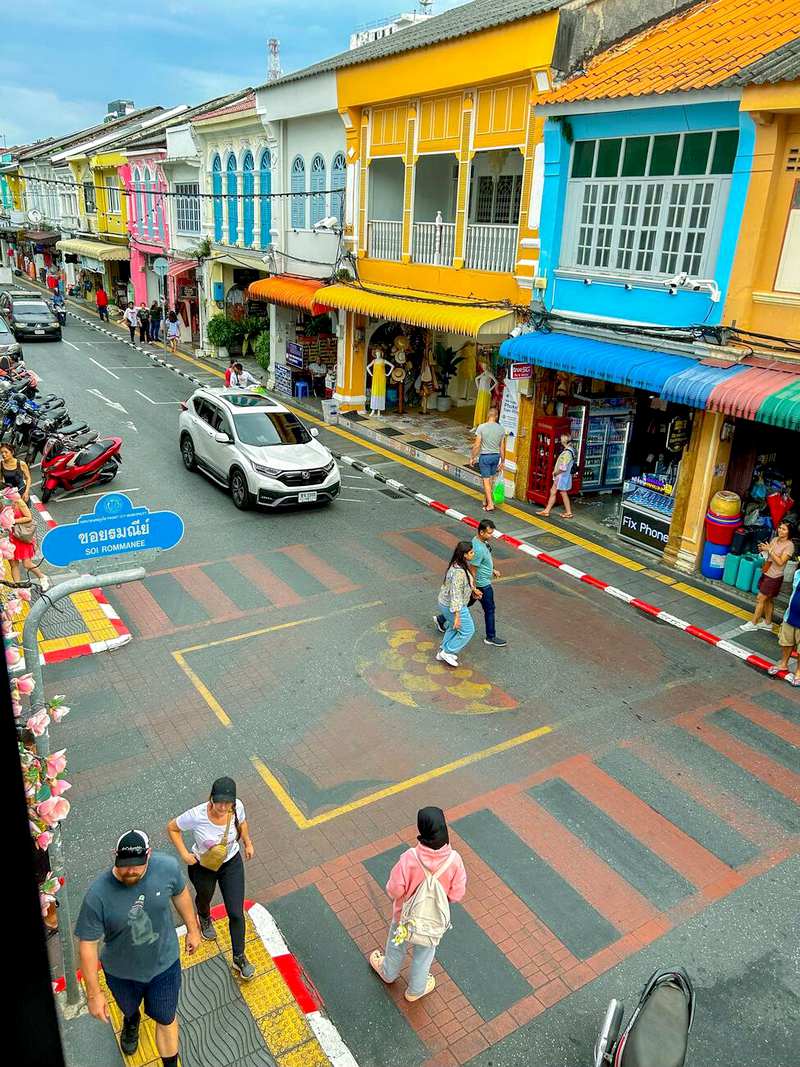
x: 562, y: 477
x: 433, y: 855
x: 128, y: 908
x: 101, y: 300
x: 778, y: 552
x: 155, y: 322
x: 789, y: 635
x: 454, y: 598
x: 173, y: 332
x: 483, y: 571
x: 489, y: 451
x: 131, y: 319
x: 220, y: 832
x: 143, y: 318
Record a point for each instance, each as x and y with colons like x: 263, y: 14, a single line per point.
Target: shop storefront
x: 99, y: 263
x: 183, y: 295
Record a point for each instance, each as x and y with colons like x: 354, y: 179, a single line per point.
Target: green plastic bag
x: 499, y: 494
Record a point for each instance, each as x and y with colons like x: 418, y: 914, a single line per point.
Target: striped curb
x: 653, y: 612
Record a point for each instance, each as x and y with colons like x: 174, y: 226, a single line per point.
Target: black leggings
x: 230, y: 877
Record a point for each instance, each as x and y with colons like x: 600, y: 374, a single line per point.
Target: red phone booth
x: 544, y: 453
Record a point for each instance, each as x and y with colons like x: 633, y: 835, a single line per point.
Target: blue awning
x: 694, y: 386
x: 639, y: 368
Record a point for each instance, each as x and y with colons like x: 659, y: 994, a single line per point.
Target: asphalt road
x: 623, y: 796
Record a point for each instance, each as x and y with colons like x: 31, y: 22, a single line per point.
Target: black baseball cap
x: 224, y: 789
x: 132, y: 849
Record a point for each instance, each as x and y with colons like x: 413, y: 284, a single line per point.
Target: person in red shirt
x: 101, y: 299
x: 229, y: 371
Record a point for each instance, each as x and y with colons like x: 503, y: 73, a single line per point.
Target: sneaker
x: 438, y: 625
x: 430, y: 985
x: 772, y: 671
x: 764, y: 625
x: 44, y: 583
x: 129, y: 1038
x: 244, y: 967
x: 792, y: 679
x: 447, y: 657
x: 498, y: 642
x: 747, y: 626
x: 207, y: 927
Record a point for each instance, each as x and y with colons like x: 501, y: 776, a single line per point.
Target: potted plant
x: 447, y: 364
x: 261, y: 350
x: 221, y: 333
x: 249, y: 327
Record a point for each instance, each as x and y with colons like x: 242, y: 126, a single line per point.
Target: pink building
x: 148, y: 221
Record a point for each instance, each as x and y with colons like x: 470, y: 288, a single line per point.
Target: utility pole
x: 33, y: 664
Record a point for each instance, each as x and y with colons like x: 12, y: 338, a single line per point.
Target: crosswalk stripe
x: 274, y: 589
x: 198, y: 585
x: 319, y: 569
x: 428, y: 560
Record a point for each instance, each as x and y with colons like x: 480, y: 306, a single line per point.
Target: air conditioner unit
x: 18, y: 218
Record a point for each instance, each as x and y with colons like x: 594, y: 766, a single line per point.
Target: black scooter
x: 657, y: 1034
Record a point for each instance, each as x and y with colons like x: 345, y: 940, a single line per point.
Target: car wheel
x: 239, y: 490
x: 187, y: 452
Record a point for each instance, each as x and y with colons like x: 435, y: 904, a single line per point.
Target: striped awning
x: 290, y: 291
x: 93, y: 249
x: 430, y: 310
x: 761, y: 394
x: 181, y: 266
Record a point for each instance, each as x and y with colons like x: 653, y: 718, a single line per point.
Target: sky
x: 61, y: 62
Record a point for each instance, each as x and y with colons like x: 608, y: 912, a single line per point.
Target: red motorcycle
x: 75, y: 463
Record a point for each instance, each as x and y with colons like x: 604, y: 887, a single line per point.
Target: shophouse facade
x: 648, y: 160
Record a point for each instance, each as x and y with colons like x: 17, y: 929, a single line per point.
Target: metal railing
x: 434, y: 242
x: 385, y: 239
x: 491, y: 246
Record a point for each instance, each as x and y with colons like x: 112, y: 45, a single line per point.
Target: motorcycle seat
x: 94, y: 451
x: 659, y: 1036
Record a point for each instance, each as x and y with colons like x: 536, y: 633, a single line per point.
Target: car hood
x: 41, y: 318
x: 289, y: 457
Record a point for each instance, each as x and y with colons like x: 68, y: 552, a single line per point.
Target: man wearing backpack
x: 423, y: 883
x: 562, y: 477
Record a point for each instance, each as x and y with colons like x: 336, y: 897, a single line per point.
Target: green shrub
x: 221, y: 331
x: 261, y: 350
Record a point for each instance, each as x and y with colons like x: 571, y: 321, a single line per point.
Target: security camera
x: 329, y: 223
x: 628, y: 286
x: 677, y: 281
x: 587, y: 281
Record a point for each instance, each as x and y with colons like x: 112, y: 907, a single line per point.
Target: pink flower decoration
x: 6, y: 550
x: 58, y: 712
x: 43, y: 840
x: 56, y: 762
x: 6, y: 518
x: 60, y: 786
x: 7, y: 627
x: 10, y: 493
x: 37, y: 724
x: 25, y: 684
x: 53, y: 810
x: 12, y: 656
x: 24, y: 594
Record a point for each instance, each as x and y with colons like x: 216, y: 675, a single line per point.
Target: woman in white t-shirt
x: 207, y: 824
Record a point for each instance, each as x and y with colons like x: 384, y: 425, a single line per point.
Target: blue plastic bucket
x: 713, y: 564
x: 744, y: 579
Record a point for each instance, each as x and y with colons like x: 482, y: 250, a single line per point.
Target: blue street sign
x: 114, y: 528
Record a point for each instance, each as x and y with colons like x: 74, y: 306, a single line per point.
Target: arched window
x: 317, y: 189
x: 216, y: 189
x: 338, y: 181
x: 248, y: 203
x: 137, y: 189
x: 158, y: 184
x: 233, y: 203
x: 149, y: 223
x: 298, y: 186
x: 264, y: 203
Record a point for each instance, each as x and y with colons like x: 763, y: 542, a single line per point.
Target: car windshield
x: 30, y: 307
x: 3, y: 328
x: 263, y: 428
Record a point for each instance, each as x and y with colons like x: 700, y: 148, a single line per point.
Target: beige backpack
x: 426, y: 914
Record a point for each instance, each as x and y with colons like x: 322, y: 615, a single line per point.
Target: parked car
x: 256, y: 448
x: 29, y: 316
x: 9, y: 346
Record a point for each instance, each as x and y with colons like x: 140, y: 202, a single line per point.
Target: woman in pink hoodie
x: 407, y: 875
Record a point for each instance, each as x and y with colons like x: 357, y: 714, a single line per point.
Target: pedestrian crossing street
x: 182, y: 598
x: 571, y: 871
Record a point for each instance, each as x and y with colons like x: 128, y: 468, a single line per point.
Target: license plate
x: 307, y: 498
x: 39, y: 332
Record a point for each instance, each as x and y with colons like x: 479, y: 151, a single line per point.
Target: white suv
x: 255, y: 447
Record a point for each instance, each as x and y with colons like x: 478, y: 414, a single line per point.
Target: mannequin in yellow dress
x: 378, y: 369
x: 485, y: 383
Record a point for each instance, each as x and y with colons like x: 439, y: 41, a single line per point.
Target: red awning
x: 181, y: 266
x: 290, y: 291
x: 743, y: 394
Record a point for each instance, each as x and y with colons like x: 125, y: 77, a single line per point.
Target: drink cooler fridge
x: 603, y: 445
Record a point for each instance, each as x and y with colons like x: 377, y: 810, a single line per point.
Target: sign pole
x: 33, y: 664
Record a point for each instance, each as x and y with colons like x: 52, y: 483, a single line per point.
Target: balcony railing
x: 434, y: 242
x: 385, y: 239
x: 491, y: 246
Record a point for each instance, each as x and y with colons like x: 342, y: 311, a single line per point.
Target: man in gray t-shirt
x: 129, y: 908
x: 489, y: 451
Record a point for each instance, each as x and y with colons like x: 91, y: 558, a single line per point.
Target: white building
x: 375, y: 31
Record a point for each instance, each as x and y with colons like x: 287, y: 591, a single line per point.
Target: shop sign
x: 678, y: 433
x: 294, y: 355
x: 187, y: 292
x: 520, y: 371
x: 644, y: 528
x: 509, y: 408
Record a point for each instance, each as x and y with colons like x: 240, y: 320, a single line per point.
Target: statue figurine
x: 485, y: 383
x: 378, y: 370
x: 426, y: 384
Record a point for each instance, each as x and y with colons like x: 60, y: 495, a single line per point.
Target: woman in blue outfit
x: 454, y: 597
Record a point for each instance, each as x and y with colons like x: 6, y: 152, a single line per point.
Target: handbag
x: 213, y: 858
x: 25, y: 531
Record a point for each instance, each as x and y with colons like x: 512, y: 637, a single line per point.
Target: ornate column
x: 465, y: 154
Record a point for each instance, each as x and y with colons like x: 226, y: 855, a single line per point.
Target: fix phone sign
x: 644, y: 528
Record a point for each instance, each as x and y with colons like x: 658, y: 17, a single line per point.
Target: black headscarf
x: 432, y: 828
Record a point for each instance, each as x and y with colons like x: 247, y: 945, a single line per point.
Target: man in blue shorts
x: 129, y: 908
x: 489, y: 449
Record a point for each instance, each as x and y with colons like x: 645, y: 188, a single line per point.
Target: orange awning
x: 290, y: 291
